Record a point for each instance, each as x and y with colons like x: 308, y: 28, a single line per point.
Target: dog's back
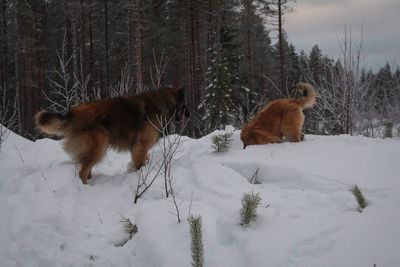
x: 118, y: 117
x: 122, y: 123
x: 279, y: 118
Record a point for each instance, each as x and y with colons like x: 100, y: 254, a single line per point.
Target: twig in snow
x: 98, y: 215
x: 190, y: 206
x: 16, y: 148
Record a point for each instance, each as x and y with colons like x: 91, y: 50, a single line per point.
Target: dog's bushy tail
x: 52, y: 123
x: 309, y: 95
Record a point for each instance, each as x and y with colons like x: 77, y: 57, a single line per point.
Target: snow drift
x: 307, y: 216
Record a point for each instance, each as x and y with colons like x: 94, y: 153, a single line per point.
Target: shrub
x: 388, y: 129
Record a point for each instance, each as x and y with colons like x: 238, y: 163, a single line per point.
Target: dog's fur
x: 123, y: 123
x: 282, y: 118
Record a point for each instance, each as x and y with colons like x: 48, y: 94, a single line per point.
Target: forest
x: 232, y: 56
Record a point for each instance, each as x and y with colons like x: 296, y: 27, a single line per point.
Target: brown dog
x: 123, y: 123
x: 279, y: 118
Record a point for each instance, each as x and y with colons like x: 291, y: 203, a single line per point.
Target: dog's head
x: 179, y: 108
x: 247, y: 137
x: 301, y: 89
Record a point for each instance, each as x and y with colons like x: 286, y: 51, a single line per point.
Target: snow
x: 307, y: 217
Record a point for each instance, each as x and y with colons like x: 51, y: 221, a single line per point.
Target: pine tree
x: 218, y: 92
x: 222, y: 142
x: 359, y: 196
x: 250, y: 202
x: 384, y: 84
x: 315, y: 64
x: 195, y: 224
x: 255, y: 60
x: 221, y: 77
x: 294, y: 68
x: 278, y: 9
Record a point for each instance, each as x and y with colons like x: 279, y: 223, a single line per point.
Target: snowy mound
x: 307, y: 216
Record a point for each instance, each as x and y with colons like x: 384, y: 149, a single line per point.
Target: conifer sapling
x: 129, y: 227
x: 362, y: 202
x: 250, y: 202
x: 388, y: 129
x: 195, y: 223
x: 222, y: 142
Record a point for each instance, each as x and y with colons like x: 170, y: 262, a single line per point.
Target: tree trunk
x: 139, y: 46
x: 92, y: 70
x: 18, y: 94
x: 4, y: 68
x: 74, y: 35
x: 131, y: 35
x: 107, y: 74
x: 249, y: 50
x: 281, y: 50
x: 82, y: 40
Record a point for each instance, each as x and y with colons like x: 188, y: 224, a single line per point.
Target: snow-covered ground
x: 307, y: 217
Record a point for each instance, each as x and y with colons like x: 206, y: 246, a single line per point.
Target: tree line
x: 58, y: 53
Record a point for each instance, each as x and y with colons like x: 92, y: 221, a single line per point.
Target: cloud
x: 322, y: 22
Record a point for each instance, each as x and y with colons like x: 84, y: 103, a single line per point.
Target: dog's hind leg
x: 95, y: 152
x: 144, y: 142
x: 87, y: 148
x: 294, y: 138
x: 294, y: 134
x: 265, y: 137
x: 292, y: 125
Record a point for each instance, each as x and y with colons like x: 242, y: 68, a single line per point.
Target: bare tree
x: 159, y: 69
x: 169, y: 147
x: 277, y: 9
x: 248, y: 108
x: 68, y: 90
x: 63, y: 94
x: 344, y: 101
x: 146, y: 176
x: 8, y: 116
x: 124, y: 84
x: 81, y: 87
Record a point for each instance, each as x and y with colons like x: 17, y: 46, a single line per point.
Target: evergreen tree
x: 279, y: 8
x: 384, y: 84
x: 219, y: 49
x: 359, y: 196
x: 303, y: 64
x: 250, y: 202
x: 195, y: 223
x: 315, y: 64
x: 294, y: 66
x: 218, y: 92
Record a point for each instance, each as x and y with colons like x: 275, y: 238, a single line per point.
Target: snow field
x: 307, y: 216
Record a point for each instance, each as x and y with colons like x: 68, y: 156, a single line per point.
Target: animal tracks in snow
x: 317, y: 245
x: 286, y: 178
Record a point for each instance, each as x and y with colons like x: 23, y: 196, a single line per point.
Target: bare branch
x: 8, y: 116
x: 160, y: 67
x: 124, y: 84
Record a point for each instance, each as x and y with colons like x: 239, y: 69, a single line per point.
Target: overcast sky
x: 322, y: 22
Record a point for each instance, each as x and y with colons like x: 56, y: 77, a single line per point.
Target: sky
x: 322, y: 22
